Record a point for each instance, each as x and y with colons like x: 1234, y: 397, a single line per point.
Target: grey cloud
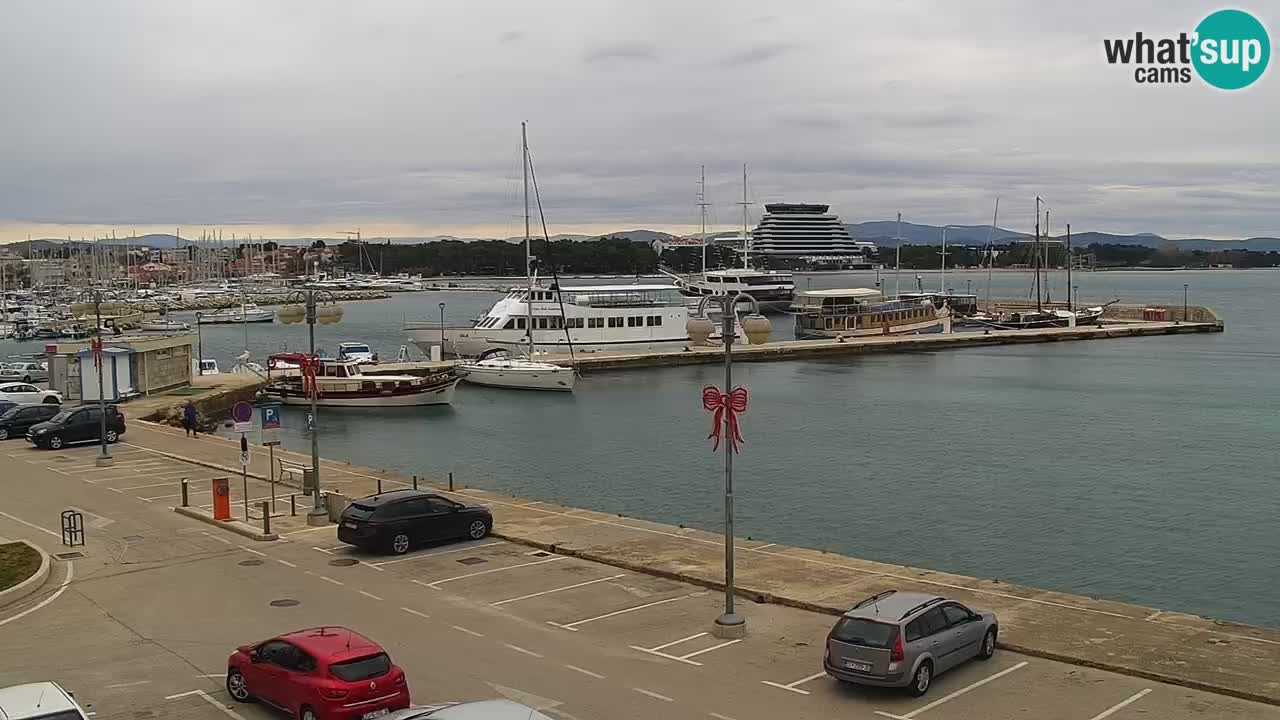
x: 510, y: 36
x: 758, y: 54
x: 621, y: 52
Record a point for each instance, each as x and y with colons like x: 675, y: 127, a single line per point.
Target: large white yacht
x: 772, y: 289
x: 596, y: 317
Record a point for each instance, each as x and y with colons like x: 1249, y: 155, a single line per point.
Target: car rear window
x: 359, y: 512
x: 868, y: 633
x: 362, y: 668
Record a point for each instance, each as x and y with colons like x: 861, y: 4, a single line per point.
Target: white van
x: 39, y: 701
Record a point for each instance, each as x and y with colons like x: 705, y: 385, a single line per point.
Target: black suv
x: 401, y: 519
x: 76, y: 425
x: 16, y: 420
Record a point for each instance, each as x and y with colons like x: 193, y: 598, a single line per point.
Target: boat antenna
x: 991, y: 250
x: 1036, y: 252
x: 1047, y: 289
x: 555, y: 277
x: 702, y: 206
x: 897, y: 262
x: 746, y: 239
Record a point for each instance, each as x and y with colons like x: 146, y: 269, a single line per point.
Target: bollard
x: 451, y: 480
x: 266, y: 518
x: 293, y: 507
x: 184, y: 492
x: 415, y: 482
x: 379, y: 486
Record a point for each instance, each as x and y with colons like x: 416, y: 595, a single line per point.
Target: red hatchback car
x: 326, y: 673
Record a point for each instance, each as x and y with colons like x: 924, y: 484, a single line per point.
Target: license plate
x: 859, y: 666
x: 374, y: 714
x: 351, y: 525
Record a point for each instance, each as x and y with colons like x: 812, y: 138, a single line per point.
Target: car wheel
x: 55, y: 442
x: 988, y: 645
x: 477, y: 529
x: 237, y: 688
x: 306, y: 712
x: 921, y: 680
x: 112, y: 436
x: 400, y: 544
x: 26, y: 378
x: 4, y: 433
x: 51, y: 400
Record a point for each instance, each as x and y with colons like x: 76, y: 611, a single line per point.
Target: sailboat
x: 773, y: 290
x: 497, y: 367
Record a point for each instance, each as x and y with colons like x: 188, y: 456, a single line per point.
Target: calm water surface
x: 1136, y: 469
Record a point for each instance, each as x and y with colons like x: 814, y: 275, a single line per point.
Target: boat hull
x: 924, y: 327
x: 438, y: 395
x: 206, y: 320
x: 558, y: 379
x: 469, y: 342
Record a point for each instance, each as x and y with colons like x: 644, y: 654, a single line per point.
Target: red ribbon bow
x: 726, y: 408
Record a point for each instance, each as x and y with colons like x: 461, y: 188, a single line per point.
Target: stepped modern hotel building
x: 806, y: 236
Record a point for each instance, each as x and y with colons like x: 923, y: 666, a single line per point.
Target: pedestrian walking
x: 189, y: 417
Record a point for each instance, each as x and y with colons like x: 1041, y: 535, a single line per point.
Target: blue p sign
x: 270, y: 417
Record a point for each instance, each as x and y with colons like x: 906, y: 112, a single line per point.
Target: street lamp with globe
x: 306, y: 306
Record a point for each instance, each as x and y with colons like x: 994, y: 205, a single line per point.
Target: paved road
x: 157, y: 601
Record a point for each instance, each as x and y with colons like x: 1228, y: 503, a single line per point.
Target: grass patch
x: 18, y: 561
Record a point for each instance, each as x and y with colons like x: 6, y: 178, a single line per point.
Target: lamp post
x: 730, y: 624
x: 311, y: 312
x: 1184, y: 302
x: 104, y: 458
x: 442, y: 330
x: 199, y: 345
x: 1075, y: 294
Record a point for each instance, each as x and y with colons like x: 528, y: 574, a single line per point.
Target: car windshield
x: 5, y: 414
x: 61, y: 417
x: 362, y: 668
x: 868, y: 633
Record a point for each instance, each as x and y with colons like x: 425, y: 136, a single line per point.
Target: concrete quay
x: 1161, y: 645
x: 810, y: 349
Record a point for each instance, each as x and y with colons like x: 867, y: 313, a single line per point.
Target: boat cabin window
x: 615, y: 322
x: 368, y: 385
x: 653, y: 320
x: 520, y: 323
x: 511, y: 323
x: 595, y: 322
x: 635, y: 321
x: 575, y: 322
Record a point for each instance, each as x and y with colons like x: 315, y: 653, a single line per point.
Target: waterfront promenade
x: 1153, y: 643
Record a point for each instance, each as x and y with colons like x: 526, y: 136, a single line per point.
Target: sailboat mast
x: 702, y: 206
x: 1071, y: 305
x: 528, y: 252
x: 746, y: 239
x: 991, y: 251
x: 942, y: 276
x: 1036, y: 253
x: 897, y: 262
x: 1048, y: 292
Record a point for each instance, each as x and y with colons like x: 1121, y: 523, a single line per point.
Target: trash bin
x: 308, y: 481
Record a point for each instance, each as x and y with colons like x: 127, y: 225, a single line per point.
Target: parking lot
x: 467, y: 620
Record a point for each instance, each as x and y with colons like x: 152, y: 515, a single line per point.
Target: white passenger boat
x: 342, y: 384
x: 862, y: 312
x: 246, y: 313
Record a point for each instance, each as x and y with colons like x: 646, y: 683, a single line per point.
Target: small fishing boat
x: 163, y: 325
x: 341, y: 384
x: 246, y: 313
x: 498, y: 368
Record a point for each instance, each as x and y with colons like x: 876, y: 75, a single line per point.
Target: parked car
x: 326, y: 673
x: 7, y: 405
x: 15, y: 421
x: 399, y: 520
x: 76, y: 425
x: 25, y: 393
x: 39, y: 701
x: 905, y: 639
x: 482, y: 710
x: 27, y: 372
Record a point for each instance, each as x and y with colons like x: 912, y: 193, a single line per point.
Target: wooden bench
x: 295, y: 471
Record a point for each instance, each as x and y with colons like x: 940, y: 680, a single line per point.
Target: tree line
x: 608, y: 255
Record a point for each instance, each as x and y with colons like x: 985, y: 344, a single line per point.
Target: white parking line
x: 328, y: 579
x: 718, y: 716
x: 165, y: 497
x: 677, y: 642
x: 954, y: 695
x: 574, y: 625
x: 369, y: 595
x: 251, y: 550
x: 761, y: 547
x: 433, y: 554
x: 285, y: 562
x: 411, y: 611
x: 653, y: 694
x: 436, y: 585
x: 56, y: 594
x: 222, y: 540
x: 696, y: 653
x: 468, y: 631
x: 588, y: 673
x: 204, y: 696
x: 519, y: 649
x: 1111, y: 710
x: 30, y: 525
x: 310, y: 529
x: 141, y: 487
x: 794, y: 687
x: 135, y: 683
x: 548, y: 592
x: 326, y: 552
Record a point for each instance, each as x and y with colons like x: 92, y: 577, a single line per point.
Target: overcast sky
x: 402, y: 117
